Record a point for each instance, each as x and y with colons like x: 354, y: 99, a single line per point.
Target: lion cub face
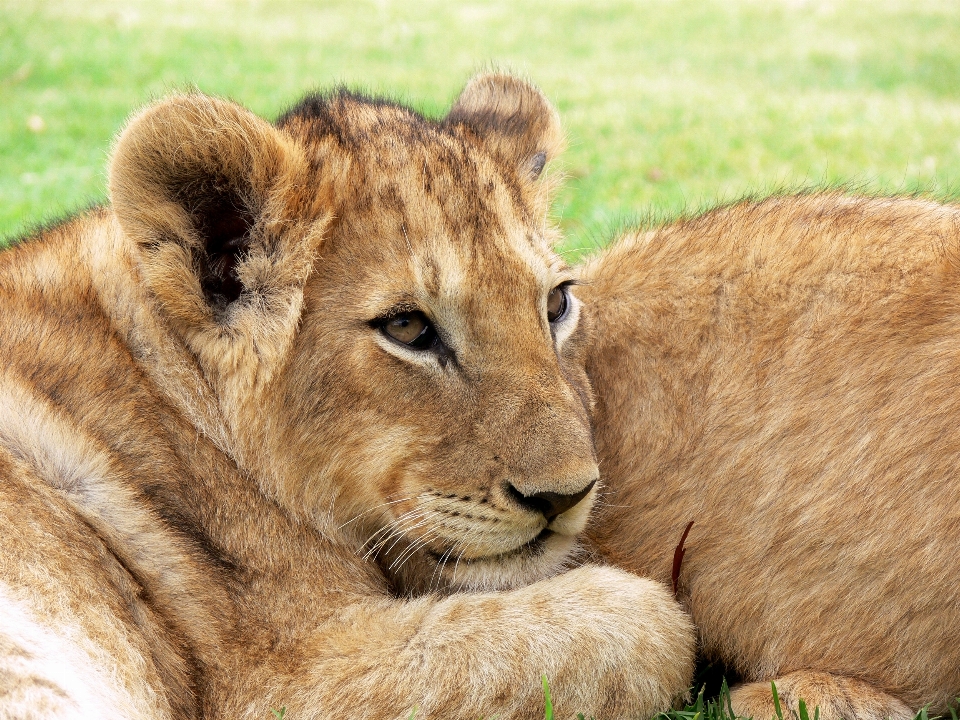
x: 372, y: 300
x: 437, y: 410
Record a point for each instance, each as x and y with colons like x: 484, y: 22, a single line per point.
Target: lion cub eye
x: 557, y: 304
x: 412, y: 329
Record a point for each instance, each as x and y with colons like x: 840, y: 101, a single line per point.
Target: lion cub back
x: 784, y: 374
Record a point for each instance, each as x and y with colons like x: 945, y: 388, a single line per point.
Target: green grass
x: 713, y: 704
x: 669, y: 105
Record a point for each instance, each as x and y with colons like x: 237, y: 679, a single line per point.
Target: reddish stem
x: 678, y: 557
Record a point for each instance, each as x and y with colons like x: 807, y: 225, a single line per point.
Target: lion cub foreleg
x: 838, y: 698
x: 611, y: 645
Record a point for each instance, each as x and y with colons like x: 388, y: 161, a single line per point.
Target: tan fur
x: 785, y: 374
x: 223, y: 488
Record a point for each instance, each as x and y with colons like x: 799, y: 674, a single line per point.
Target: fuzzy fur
x: 785, y: 374
x: 224, y: 489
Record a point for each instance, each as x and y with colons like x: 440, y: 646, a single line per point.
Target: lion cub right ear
x: 221, y: 207
x: 515, y: 120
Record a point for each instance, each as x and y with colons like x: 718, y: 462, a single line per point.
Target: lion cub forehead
x: 451, y: 279
x: 517, y: 270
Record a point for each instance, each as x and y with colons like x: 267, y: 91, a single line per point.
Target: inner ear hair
x: 224, y: 223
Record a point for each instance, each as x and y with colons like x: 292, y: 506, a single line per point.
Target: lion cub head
x: 374, y: 300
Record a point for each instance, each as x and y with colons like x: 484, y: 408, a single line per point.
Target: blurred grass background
x: 669, y: 105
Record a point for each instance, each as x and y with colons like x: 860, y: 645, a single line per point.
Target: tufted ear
x: 222, y: 210
x: 513, y: 117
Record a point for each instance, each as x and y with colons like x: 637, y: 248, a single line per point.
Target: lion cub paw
x: 633, y: 645
x: 838, y: 698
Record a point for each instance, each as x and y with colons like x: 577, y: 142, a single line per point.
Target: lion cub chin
x: 267, y: 416
x: 785, y: 374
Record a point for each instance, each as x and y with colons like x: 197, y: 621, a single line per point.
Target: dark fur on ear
x: 514, y: 119
x: 225, y: 215
x: 224, y: 224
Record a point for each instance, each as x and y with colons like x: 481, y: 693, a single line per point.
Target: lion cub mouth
x: 541, y: 557
x: 532, y: 548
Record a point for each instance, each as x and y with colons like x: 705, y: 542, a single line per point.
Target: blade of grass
x: 725, y: 697
x: 547, y: 702
x: 776, y: 701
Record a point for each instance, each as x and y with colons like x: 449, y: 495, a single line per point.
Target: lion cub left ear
x: 515, y: 120
x: 226, y: 220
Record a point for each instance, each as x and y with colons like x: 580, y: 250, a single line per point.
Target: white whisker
x: 414, y: 547
x: 413, y: 543
x: 371, y: 509
x: 393, y: 524
x: 423, y: 521
x: 396, y: 532
x: 439, y: 568
x: 456, y: 566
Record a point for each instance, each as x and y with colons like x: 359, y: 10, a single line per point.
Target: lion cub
x: 786, y: 374
x: 291, y: 377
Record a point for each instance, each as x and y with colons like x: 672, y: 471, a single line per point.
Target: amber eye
x: 412, y: 329
x: 557, y: 303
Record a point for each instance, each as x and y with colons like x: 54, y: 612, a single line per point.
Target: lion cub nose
x: 550, y: 504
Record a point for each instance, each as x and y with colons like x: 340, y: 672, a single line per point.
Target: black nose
x: 550, y: 504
